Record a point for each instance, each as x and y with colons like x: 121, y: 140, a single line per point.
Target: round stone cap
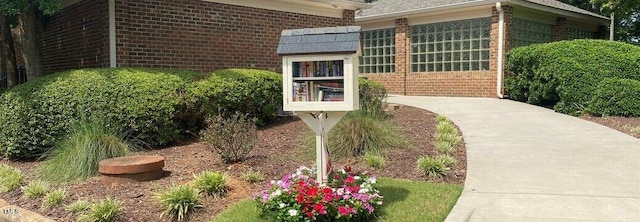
x: 131, y: 164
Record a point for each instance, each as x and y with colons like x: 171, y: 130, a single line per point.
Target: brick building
x: 201, y: 35
x: 456, y: 47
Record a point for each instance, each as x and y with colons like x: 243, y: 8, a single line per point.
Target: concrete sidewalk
x: 527, y: 163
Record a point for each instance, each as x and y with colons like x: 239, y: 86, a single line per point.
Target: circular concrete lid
x: 131, y: 164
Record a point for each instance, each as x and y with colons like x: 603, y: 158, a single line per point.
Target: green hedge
x: 616, y: 97
x: 565, y: 74
x: 372, y: 95
x: 152, y: 107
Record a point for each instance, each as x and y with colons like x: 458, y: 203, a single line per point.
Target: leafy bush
x: 179, y: 201
x: 255, y: 92
x: 89, y: 143
x: 104, y: 211
x: 35, y: 189
x: 616, y: 97
x: 233, y: 138
x: 54, y: 198
x: 10, y: 178
x: 253, y: 176
x: 79, y: 206
x: 375, y: 161
x: 434, y: 166
x: 212, y: 182
x: 372, y: 95
x: 565, y: 74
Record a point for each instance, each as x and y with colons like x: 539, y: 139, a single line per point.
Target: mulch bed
x: 628, y: 125
x: 278, y: 152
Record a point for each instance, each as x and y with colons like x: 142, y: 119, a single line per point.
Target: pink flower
x: 349, y: 180
x: 344, y: 211
x: 320, y: 208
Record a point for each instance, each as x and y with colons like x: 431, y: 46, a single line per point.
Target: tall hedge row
x: 152, y: 107
x: 566, y: 74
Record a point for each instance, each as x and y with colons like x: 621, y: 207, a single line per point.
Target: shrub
x: 255, y: 92
x: 372, y: 95
x: 79, y: 206
x: 179, y: 201
x: 233, y: 138
x: 348, y: 196
x: 35, y: 189
x: 359, y: 133
x: 565, y: 74
x: 616, y: 97
x: 444, y: 147
x: 252, y: 176
x: 89, y: 143
x: 10, y: 178
x: 375, y: 161
x: 453, y: 139
x: 54, y: 198
x: 447, y: 160
x: 104, y: 211
x: 432, y: 166
x: 446, y: 127
x: 212, y: 182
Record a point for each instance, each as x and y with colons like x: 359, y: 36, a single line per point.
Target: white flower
x: 292, y: 212
x: 282, y: 205
x: 342, y: 171
x: 372, y: 180
x: 379, y: 202
x: 356, y: 177
x: 340, y: 191
x: 273, y: 182
x: 363, y: 191
x: 278, y: 192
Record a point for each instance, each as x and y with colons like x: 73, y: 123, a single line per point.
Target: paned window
x: 379, y: 51
x: 573, y: 33
x: 526, y: 32
x: 451, y: 46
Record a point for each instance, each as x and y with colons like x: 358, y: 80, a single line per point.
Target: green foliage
x: 441, y: 118
x: 447, y: 160
x: 452, y: 138
x: 233, y: 138
x: 618, y: 6
x: 35, y: 189
x: 616, y: 97
x: 253, y: 176
x: 10, y: 178
x: 446, y: 127
x: 104, y: 211
x: 77, y: 156
x: 359, y: 133
x: 444, y: 147
x: 435, y: 166
x: 54, y: 198
x: 16, y: 7
x: 212, y: 182
x: 79, y: 206
x: 375, y: 161
x: 565, y: 74
x: 372, y: 95
x: 179, y: 201
x: 255, y: 92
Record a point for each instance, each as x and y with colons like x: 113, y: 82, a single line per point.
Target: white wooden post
x: 321, y: 122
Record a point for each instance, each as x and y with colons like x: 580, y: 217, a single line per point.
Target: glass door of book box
x: 318, y: 81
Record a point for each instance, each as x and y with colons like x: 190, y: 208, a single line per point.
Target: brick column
x: 348, y: 17
x: 560, y: 30
x: 399, y: 84
x: 493, y: 46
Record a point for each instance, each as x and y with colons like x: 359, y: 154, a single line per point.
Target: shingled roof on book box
x: 343, y: 39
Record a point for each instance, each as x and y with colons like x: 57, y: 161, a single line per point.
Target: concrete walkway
x: 527, y: 163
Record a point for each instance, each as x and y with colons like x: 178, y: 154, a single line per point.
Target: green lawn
x: 404, y: 200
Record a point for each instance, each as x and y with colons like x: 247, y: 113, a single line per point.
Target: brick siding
x: 76, y: 37
x: 205, y: 36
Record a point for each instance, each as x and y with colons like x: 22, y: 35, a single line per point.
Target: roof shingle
x: 319, y: 40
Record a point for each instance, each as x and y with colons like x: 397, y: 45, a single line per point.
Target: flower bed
x: 348, y: 196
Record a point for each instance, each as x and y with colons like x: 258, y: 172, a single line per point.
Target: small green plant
x: 103, y: 211
x: 233, y: 138
x: 375, y: 161
x: 441, y: 118
x: 446, y: 127
x: 444, y: 147
x: 35, y: 189
x: 211, y: 182
x: 88, y: 143
x: 179, y: 201
x: 454, y: 139
x: 78, y: 206
x: 635, y: 130
x: 432, y: 167
x: 10, y: 178
x: 253, y: 176
x: 447, y: 160
x: 54, y: 198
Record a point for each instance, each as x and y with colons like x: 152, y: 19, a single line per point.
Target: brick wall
x: 395, y: 82
x: 205, y: 36
x: 560, y: 29
x: 76, y: 37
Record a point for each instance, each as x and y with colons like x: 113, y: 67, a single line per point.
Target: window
x: 527, y: 32
x: 379, y: 51
x: 573, y: 33
x: 451, y: 46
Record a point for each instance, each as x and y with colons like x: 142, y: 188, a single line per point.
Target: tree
x: 28, y: 24
x: 621, y: 7
x: 7, y: 53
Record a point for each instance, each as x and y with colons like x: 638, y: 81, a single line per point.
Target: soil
x: 628, y: 125
x: 278, y: 152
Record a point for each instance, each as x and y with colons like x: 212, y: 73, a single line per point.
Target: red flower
x: 344, y: 211
x: 310, y: 215
x: 300, y: 198
x: 320, y: 209
x: 312, y: 191
x: 327, y: 190
x: 347, y: 168
x: 349, y: 180
x: 353, y: 189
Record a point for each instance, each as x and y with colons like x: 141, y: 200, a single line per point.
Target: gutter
x: 500, y: 74
x: 424, y: 10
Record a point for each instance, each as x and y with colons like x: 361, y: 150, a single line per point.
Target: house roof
x: 383, y: 8
x: 319, y: 40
